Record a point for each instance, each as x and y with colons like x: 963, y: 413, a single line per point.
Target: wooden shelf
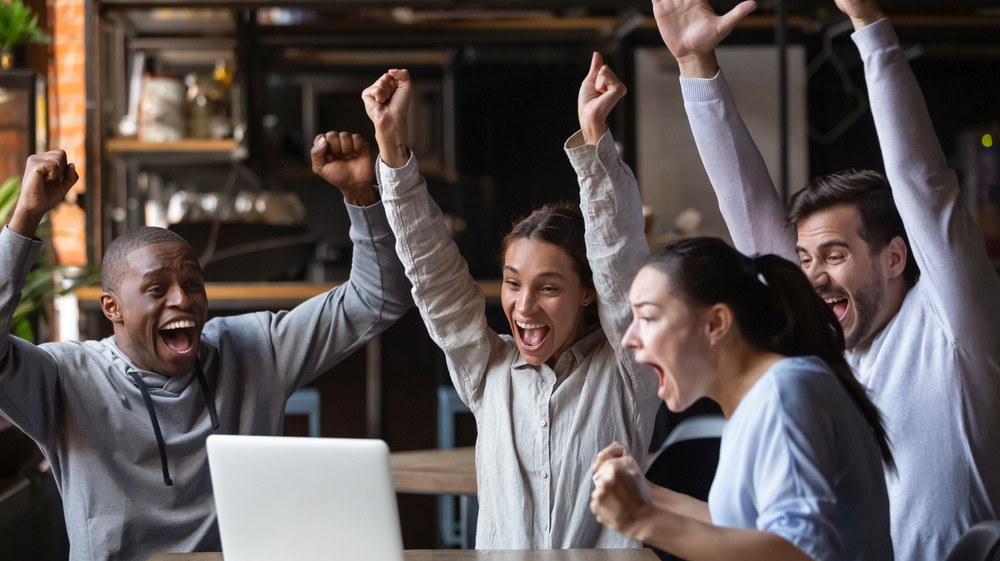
x: 234, y: 295
x: 133, y: 146
x: 252, y: 296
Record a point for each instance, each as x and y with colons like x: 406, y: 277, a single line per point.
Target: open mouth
x: 661, y: 377
x: 838, y: 305
x: 532, y: 335
x: 179, y: 336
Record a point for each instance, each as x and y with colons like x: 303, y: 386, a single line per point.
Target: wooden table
x: 474, y: 555
x: 435, y: 471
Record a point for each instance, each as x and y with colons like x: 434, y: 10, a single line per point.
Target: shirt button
x: 545, y: 527
x: 545, y: 475
x: 542, y: 422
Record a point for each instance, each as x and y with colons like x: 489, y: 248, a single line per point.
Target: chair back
x: 981, y: 542
x: 687, y: 460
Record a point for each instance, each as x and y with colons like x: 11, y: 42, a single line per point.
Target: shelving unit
x: 136, y: 41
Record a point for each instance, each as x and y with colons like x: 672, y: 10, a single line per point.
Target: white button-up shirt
x: 540, y: 428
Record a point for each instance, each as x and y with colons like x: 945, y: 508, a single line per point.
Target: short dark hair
x: 870, y: 193
x: 115, y: 263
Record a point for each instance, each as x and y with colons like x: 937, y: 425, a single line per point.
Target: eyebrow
x: 188, y: 265
x: 545, y: 274
x: 638, y: 305
x: 825, y: 245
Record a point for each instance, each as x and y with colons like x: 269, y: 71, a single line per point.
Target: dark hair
x: 773, y: 304
x: 115, y: 263
x: 559, y: 224
x: 870, y: 193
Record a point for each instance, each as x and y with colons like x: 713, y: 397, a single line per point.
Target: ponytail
x: 811, y: 328
x: 774, y: 306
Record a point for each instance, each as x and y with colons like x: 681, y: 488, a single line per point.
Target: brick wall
x: 67, y: 87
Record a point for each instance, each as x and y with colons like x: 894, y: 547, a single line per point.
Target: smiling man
x: 123, y: 421
x: 923, y: 343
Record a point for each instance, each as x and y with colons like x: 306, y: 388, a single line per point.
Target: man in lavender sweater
x: 897, y: 257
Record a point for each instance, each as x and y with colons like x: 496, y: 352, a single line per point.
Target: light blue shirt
x: 798, y: 459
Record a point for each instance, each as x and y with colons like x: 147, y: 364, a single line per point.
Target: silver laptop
x: 283, y: 497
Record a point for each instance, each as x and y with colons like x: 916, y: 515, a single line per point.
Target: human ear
x: 589, y: 296
x: 895, y: 254
x: 719, y: 320
x: 110, y: 307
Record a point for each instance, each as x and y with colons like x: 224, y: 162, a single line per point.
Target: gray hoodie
x: 81, y: 403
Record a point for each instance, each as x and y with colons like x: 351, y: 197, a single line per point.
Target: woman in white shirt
x: 550, y: 395
x: 800, y: 474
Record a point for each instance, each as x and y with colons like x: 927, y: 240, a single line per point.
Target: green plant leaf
x: 9, y: 191
x: 22, y: 328
x: 19, y: 25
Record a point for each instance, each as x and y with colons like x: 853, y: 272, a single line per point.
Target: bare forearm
x: 865, y: 15
x: 393, y: 148
x: 696, y: 540
x: 25, y: 222
x: 698, y: 65
x: 678, y: 503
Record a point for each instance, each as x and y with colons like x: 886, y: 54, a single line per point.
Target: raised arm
x: 322, y: 331
x: 945, y: 240
x: 343, y: 160
x: 747, y: 198
x: 28, y: 384
x: 452, y: 305
x: 612, y: 213
x: 47, y: 179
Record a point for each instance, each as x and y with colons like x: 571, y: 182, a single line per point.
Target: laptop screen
x: 306, y: 499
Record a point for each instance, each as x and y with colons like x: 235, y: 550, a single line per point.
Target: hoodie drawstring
x: 206, y: 393
x: 156, y: 425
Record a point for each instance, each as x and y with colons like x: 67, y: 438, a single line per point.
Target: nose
x: 526, y: 302
x: 631, y: 339
x: 817, y: 276
x: 177, y: 297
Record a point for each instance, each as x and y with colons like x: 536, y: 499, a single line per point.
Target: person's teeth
x: 179, y: 324
x: 184, y: 352
x: 833, y: 300
x: 523, y: 325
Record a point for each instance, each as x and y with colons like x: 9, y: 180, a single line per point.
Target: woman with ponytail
x: 800, y: 474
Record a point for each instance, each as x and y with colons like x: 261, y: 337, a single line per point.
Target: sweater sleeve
x: 319, y: 333
x: 616, y: 244
x: 944, y: 238
x: 29, y: 386
x: 747, y: 197
x: 451, y: 304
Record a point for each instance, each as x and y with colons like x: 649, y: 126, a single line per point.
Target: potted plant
x: 18, y: 25
x: 45, y: 280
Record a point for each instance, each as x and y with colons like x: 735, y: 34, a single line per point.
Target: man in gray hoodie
x: 123, y: 421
